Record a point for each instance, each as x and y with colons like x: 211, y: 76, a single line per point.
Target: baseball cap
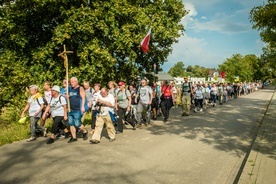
x: 121, y: 83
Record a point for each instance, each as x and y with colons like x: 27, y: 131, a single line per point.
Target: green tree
x: 242, y: 66
x: 263, y: 19
x: 104, y: 36
x: 177, y: 70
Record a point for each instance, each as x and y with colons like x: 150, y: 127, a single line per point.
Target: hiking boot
x: 111, y: 140
x: 72, y: 140
x: 31, y: 139
x: 67, y: 134
x: 85, y: 136
x: 50, y: 141
x: 93, y: 141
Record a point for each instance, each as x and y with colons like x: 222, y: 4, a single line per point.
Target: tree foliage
x: 263, y: 19
x: 177, y: 70
x: 243, y: 66
x: 103, y: 35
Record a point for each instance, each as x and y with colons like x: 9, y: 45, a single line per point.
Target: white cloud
x: 189, y: 17
x: 219, y: 28
x: 192, y: 51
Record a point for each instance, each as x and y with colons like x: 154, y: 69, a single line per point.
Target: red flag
x: 145, y: 43
x: 223, y: 74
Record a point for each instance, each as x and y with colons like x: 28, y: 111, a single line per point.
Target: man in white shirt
x: 105, y: 104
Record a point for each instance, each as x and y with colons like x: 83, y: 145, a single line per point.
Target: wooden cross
x: 64, y: 57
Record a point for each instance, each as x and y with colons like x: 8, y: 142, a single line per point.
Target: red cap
x: 121, y: 83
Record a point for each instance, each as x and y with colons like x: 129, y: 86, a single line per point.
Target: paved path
x: 260, y: 165
x: 206, y: 147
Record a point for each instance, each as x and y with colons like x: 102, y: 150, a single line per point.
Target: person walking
x: 58, y: 108
x: 186, y: 97
x: 105, y: 105
x: 199, y: 95
x: 123, y: 107
x: 77, y: 102
x: 214, y: 92
x: 144, y: 99
x: 167, y: 99
x: 35, y: 105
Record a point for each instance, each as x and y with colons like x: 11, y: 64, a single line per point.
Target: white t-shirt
x: 95, y: 98
x: 104, y: 109
x: 56, y: 106
x: 48, y: 95
x: 214, y: 90
x: 34, y: 105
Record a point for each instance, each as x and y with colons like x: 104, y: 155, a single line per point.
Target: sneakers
x: 195, y: 110
x: 184, y: 114
x: 31, y: 139
x: 200, y: 110
x: 111, y: 140
x: 93, y: 141
x: 72, y: 140
x: 45, y: 132
x: 50, y: 141
x: 85, y: 136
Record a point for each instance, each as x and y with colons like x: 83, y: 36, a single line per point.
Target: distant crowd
x: 119, y: 104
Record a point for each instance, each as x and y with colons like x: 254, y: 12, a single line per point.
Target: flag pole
x: 65, y: 58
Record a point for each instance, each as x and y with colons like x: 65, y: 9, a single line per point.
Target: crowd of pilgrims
x: 118, y: 105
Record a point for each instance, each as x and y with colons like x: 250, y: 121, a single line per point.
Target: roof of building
x: 164, y: 76
x: 211, y: 72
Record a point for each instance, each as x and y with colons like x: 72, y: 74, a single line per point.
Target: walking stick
x: 64, y: 56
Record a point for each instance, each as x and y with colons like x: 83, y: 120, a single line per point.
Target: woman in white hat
x: 58, y: 108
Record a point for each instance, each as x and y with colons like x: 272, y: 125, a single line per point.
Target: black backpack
x: 44, y: 101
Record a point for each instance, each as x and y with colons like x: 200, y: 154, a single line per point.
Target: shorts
x: 74, y: 118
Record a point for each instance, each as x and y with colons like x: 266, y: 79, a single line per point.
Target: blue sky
x: 215, y: 30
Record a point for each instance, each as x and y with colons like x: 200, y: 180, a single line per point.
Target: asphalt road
x: 206, y: 147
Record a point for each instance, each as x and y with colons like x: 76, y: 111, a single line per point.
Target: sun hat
x: 56, y: 88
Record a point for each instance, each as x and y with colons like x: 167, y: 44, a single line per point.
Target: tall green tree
x: 263, y: 19
x: 177, y: 70
x: 104, y: 36
x: 242, y: 66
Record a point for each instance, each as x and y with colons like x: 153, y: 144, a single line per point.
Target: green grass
x: 12, y: 131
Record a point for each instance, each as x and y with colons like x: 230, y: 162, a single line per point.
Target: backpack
x: 45, y: 103
x: 138, y: 97
x: 189, y: 91
x: 125, y: 93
